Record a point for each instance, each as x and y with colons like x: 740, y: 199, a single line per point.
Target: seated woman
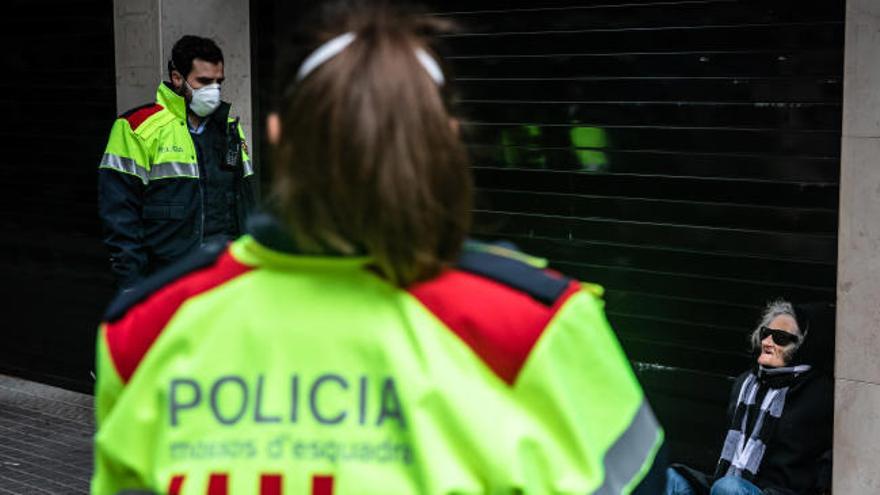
x: 780, y: 413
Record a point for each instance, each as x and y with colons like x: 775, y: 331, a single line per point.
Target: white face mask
x: 205, y: 99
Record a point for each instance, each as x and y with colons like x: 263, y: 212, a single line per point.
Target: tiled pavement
x: 45, y: 439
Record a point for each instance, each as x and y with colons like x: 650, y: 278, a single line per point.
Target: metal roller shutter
x: 684, y: 154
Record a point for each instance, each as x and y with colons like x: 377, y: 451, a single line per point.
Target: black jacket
x: 798, y: 455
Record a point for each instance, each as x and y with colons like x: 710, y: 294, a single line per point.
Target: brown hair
x: 369, y: 160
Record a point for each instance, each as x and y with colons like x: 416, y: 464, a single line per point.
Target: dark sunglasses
x: 780, y: 337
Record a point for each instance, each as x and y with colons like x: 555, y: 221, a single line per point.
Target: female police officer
x: 355, y: 342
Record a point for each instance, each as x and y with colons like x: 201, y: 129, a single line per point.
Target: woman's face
x: 772, y: 355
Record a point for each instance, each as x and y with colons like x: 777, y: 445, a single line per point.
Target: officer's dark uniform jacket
x: 161, y: 193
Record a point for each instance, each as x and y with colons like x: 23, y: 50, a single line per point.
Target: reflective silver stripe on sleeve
x: 248, y: 168
x: 173, y: 169
x: 629, y: 455
x: 124, y: 165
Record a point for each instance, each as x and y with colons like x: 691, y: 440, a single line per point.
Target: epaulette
x: 498, y: 301
x: 128, y: 298
x: 503, y: 263
x: 136, y: 116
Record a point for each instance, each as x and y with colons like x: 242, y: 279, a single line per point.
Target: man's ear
x: 273, y: 128
x: 176, y: 80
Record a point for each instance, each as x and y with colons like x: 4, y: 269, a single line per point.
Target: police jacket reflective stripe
x: 258, y: 367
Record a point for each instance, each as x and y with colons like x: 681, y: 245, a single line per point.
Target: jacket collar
x: 269, y: 243
x: 172, y: 101
x: 268, y: 231
x: 176, y: 104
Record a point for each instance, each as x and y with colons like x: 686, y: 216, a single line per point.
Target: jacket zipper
x: 201, y: 188
x: 202, y: 197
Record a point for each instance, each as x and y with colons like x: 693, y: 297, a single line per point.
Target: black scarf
x: 741, y: 455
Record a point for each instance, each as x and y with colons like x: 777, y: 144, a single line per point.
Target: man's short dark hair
x: 189, y: 48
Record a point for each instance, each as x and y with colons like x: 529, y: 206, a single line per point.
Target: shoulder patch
x: 487, y: 260
x: 130, y: 111
x: 135, y: 320
x: 136, y: 116
x: 500, y: 323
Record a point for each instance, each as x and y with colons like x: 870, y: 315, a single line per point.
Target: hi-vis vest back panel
x: 264, y: 372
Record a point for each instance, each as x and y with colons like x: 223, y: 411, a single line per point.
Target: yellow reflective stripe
x: 632, y: 454
x: 173, y: 169
x: 248, y: 168
x: 124, y: 165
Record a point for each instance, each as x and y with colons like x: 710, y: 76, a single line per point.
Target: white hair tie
x: 335, y: 45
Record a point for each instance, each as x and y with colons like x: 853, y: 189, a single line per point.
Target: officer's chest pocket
x: 173, y: 192
x: 164, y: 212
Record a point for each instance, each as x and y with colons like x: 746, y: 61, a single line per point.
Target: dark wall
x: 57, y: 102
x: 685, y: 155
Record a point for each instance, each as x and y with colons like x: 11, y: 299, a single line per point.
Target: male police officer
x: 176, y: 173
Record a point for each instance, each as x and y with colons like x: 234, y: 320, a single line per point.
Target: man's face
x: 202, y: 74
